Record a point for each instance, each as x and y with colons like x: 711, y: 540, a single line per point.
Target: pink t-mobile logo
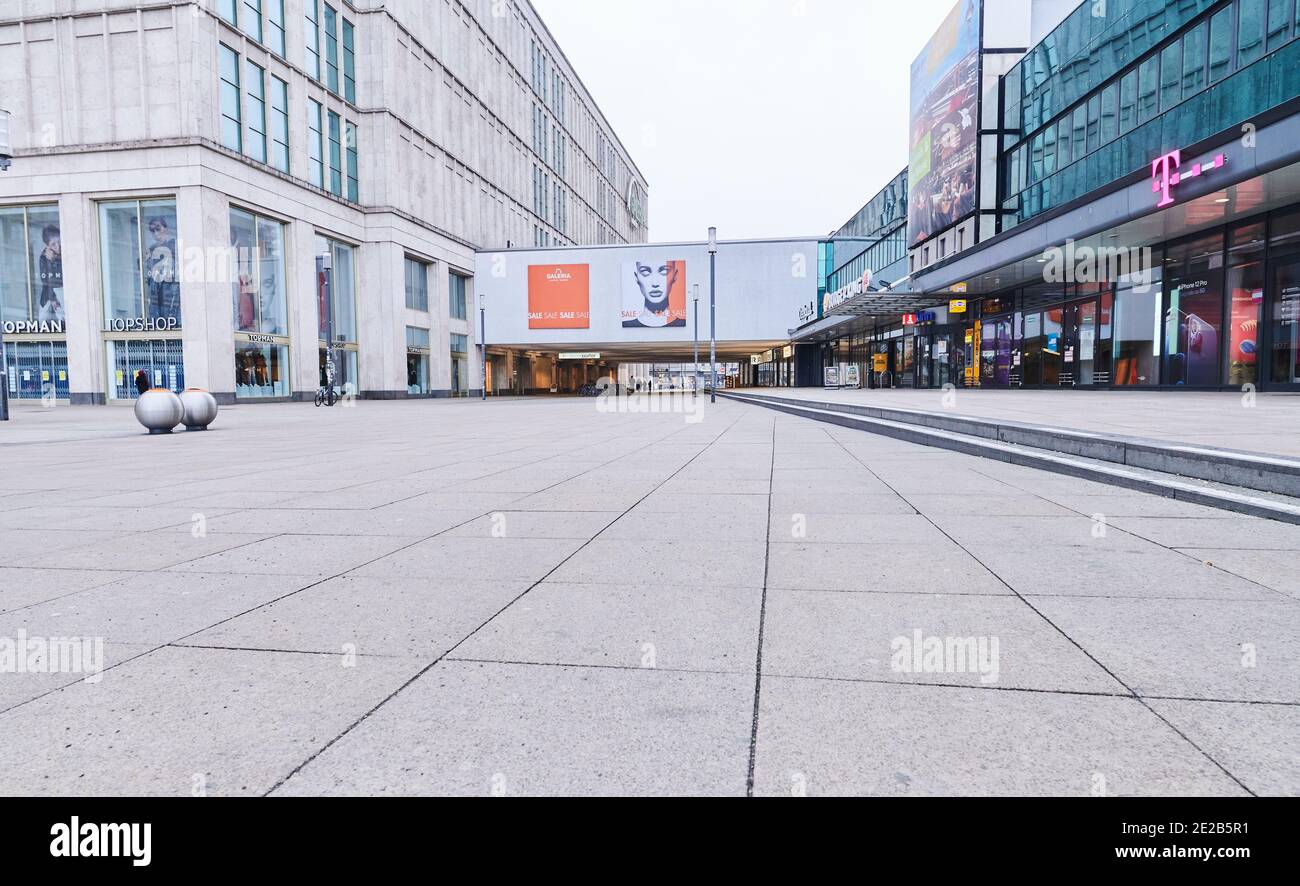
x: 1166, y: 174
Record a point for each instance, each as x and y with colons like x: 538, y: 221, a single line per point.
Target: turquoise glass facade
x: 1104, y: 95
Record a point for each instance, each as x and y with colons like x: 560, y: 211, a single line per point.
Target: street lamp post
x: 5, y: 151
x: 695, y: 367
x: 482, y: 335
x: 4, y: 383
x: 713, y: 313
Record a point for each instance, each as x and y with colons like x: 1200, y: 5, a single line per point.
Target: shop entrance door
x: 995, y: 353
x: 1079, y: 349
x: 924, y: 364
x: 1282, y: 357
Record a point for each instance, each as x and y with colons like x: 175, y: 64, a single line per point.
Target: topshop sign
x: 142, y: 324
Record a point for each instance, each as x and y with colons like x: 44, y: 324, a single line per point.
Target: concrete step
x: 1236, y: 498
x: 1246, y: 470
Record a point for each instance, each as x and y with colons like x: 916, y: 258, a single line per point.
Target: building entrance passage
x: 1085, y: 350
x: 162, y: 361
x: 996, y: 354
x: 37, y: 369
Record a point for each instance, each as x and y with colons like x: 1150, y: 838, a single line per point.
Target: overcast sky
x: 764, y: 117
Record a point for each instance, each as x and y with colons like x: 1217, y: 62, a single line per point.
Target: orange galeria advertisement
x: 559, y: 297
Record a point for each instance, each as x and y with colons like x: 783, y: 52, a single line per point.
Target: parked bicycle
x: 328, y: 395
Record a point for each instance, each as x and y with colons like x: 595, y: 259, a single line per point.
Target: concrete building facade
x: 207, y: 191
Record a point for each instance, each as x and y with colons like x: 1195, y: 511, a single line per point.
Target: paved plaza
x: 548, y: 597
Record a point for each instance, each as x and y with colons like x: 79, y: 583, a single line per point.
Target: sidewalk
x: 1223, y: 420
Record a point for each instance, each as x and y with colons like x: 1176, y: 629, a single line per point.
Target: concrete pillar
x: 82, y: 300
x: 207, y: 301
x: 304, y: 310
x: 381, y: 289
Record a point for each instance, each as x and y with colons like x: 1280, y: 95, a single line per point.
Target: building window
x: 141, y: 271
x: 417, y: 285
x: 1221, y: 44
x: 341, y: 307
x: 1128, y: 102
x: 1171, y: 75
x: 255, y: 97
x: 457, y: 302
x: 1194, y: 312
x: 459, y: 365
x: 231, y: 128
x: 1148, y: 94
x: 275, y: 25
x: 349, y: 62
x: 1195, y: 54
x: 1250, y: 31
x: 279, y: 124
x: 257, y: 246
x: 252, y: 24
x: 1279, y: 22
x: 315, y: 144
x: 226, y: 9
x: 336, y: 154
x: 331, y: 49
x: 353, y: 174
x: 311, y: 33
x: 260, y: 309
x: 31, y: 269
x: 417, y: 361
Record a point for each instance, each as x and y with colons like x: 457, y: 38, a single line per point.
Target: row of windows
x: 551, y: 144
x: 548, y: 83
x: 324, y: 128
x: 262, y: 20
x: 1231, y: 38
x: 254, y: 111
x: 329, y: 25
x: 417, y: 290
x: 1099, y: 38
x: 889, y: 249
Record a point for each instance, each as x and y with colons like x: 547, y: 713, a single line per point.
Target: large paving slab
x: 478, y: 729
x: 415, y: 617
x: 1229, y: 650
x: 626, y: 626
x: 835, y: 738
x: 996, y: 642
x: 162, y: 724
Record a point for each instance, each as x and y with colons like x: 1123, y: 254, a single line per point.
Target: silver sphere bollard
x: 159, y: 410
x: 200, y: 409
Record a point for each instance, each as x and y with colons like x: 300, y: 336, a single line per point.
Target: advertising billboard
x: 654, y: 294
x: 559, y: 297
x: 945, y: 125
x: 616, y: 295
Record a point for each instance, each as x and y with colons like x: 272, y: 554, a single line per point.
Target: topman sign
x: 33, y: 327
